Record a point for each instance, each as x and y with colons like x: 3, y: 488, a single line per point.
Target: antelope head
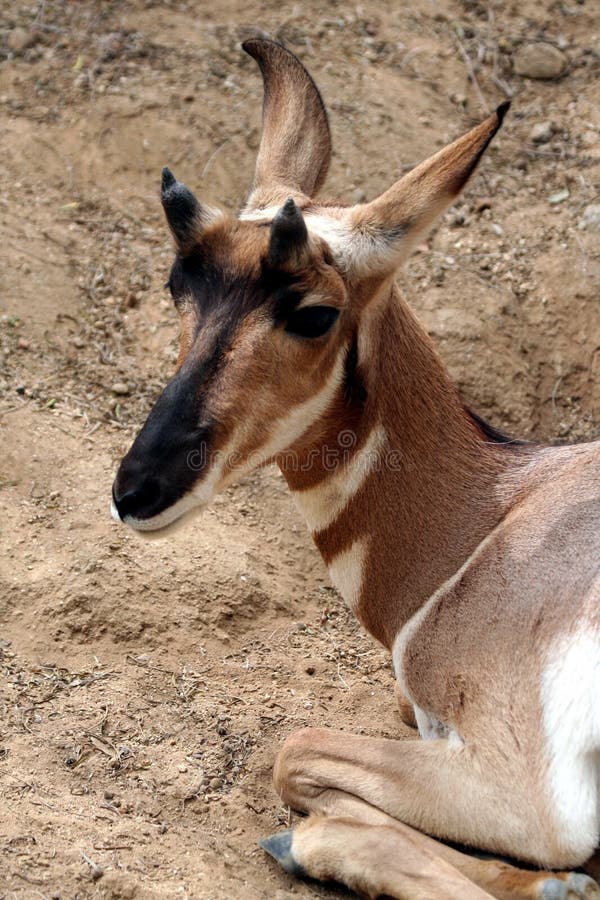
x: 271, y: 302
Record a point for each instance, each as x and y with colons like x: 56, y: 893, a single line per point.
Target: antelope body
x: 474, y: 559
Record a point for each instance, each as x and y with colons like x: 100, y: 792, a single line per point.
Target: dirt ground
x: 146, y: 686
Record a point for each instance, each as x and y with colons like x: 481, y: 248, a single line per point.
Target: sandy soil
x: 147, y: 685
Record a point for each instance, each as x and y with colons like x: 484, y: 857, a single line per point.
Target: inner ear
x: 295, y: 146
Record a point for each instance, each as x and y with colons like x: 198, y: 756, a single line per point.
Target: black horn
x: 182, y: 210
x: 289, y: 236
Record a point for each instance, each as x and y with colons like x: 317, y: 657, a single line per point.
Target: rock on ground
x: 539, y: 60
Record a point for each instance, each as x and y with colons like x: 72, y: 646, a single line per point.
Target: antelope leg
x: 405, y: 707
x: 373, y: 860
x: 435, y: 787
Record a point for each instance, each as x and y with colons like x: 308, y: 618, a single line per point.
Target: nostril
x: 137, y: 503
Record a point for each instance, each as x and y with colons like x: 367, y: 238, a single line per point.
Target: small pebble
x: 483, y: 203
x: 459, y: 99
x: 120, y: 388
x: 559, y: 197
x: 215, y: 784
x: 358, y: 195
x: 541, y: 133
x: 539, y: 60
x: 590, y: 220
x: 19, y: 39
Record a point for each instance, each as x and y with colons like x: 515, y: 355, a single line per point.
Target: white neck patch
x: 321, y: 505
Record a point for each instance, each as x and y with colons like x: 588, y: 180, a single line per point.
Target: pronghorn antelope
x: 474, y: 559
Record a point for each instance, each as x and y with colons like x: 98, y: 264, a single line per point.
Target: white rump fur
x: 570, y: 692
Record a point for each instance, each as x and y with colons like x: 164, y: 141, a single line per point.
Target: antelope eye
x: 311, y: 321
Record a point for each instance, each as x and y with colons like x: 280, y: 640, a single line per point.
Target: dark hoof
x: 279, y: 846
x: 575, y: 886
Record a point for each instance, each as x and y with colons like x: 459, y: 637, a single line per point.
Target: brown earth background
x: 146, y: 686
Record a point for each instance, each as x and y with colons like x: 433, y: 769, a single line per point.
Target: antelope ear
x: 378, y: 236
x: 295, y: 147
x: 185, y: 216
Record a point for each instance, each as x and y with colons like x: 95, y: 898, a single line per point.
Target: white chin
x: 166, y: 521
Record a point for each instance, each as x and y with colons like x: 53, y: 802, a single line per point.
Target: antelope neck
x: 397, y: 483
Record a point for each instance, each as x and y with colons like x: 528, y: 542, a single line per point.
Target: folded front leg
x: 374, y: 861
x: 435, y: 787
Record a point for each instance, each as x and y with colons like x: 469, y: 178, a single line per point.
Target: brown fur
x: 440, y: 496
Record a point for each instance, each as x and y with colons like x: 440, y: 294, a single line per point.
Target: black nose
x: 140, y: 503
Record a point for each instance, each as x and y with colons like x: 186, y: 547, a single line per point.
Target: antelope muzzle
x: 155, y: 482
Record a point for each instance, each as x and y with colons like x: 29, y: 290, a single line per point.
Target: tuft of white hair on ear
x: 358, y: 248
